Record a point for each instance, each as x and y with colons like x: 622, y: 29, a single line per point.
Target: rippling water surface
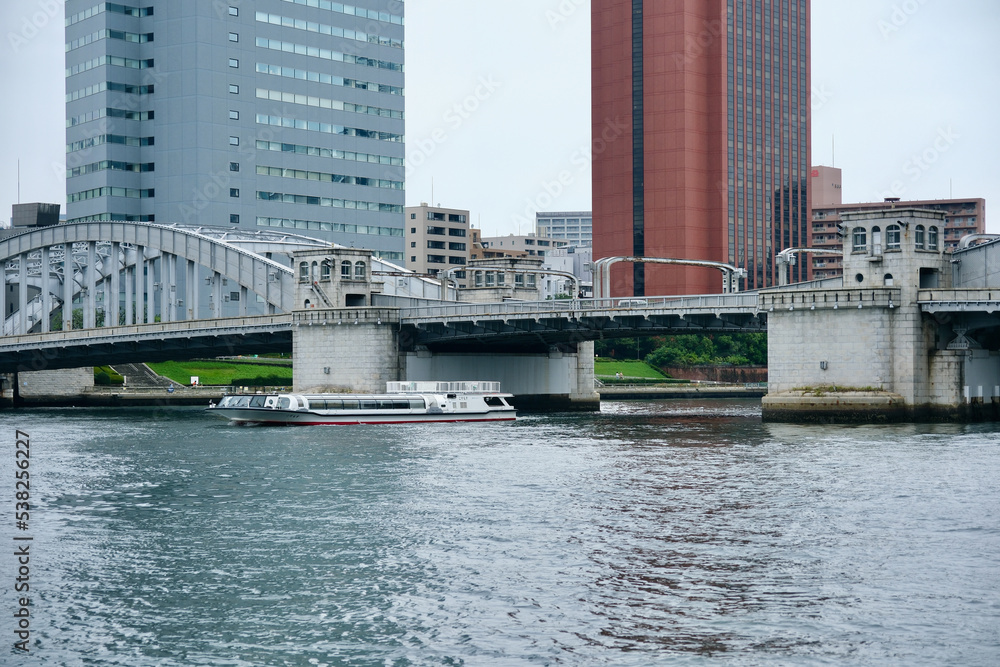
x: 651, y: 533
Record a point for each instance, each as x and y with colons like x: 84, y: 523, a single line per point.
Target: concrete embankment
x: 121, y: 397
x: 694, y: 390
x: 867, y: 407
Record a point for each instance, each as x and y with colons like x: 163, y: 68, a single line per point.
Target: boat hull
x: 264, y: 417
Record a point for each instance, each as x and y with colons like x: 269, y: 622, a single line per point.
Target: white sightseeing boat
x: 403, y: 403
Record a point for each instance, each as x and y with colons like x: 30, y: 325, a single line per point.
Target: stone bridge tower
x: 341, y: 342
x: 865, y: 347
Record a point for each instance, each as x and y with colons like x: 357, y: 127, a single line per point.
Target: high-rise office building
x: 701, y: 116
x: 276, y: 114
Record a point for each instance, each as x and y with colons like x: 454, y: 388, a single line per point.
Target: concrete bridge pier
x: 560, y: 379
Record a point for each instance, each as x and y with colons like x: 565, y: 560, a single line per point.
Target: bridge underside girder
x: 542, y: 332
x: 56, y: 357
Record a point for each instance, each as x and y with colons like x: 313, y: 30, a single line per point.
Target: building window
x: 932, y: 238
x: 234, y: 89
x: 887, y: 279
x: 919, y: 235
x: 234, y: 115
x: 233, y: 37
x: 234, y: 166
x: 437, y: 231
x: 479, y: 278
x: 456, y: 232
x: 325, y: 268
x: 435, y: 245
x: 413, y: 244
x: 413, y: 259
x: 532, y: 280
x: 233, y: 62
x: 413, y: 216
x: 234, y: 141
x: 892, y: 237
x: 490, y: 279
x: 304, y: 272
x: 860, y: 241
x: 435, y: 259
x: 345, y: 270
x: 234, y: 192
x: 359, y: 271
x: 456, y: 260
x: 234, y: 219
x: 460, y: 247
x: 234, y: 11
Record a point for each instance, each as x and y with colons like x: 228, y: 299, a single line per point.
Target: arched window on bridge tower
x: 532, y: 281
x: 359, y: 271
x: 324, y: 271
x: 919, y: 233
x: 479, y: 278
x: 932, y: 238
x: 887, y: 280
x: 304, y: 272
x: 345, y: 270
x: 893, y: 237
x: 876, y: 240
x: 315, y: 272
x: 860, y: 240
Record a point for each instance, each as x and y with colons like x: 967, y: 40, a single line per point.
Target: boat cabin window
x: 241, y: 401
x: 283, y: 403
x: 257, y: 401
x: 495, y: 401
x: 351, y: 404
x: 417, y: 404
x: 369, y: 404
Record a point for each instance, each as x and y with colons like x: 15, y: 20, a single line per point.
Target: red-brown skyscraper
x: 713, y: 161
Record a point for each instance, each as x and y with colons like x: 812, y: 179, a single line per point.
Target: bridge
x: 104, y: 293
x: 511, y: 325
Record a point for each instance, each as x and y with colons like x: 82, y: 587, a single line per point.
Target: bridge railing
x: 959, y: 295
x: 150, y: 330
x: 740, y: 301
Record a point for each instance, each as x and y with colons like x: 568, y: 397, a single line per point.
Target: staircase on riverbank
x: 141, y: 376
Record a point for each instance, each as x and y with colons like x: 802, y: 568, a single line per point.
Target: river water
x: 667, y: 532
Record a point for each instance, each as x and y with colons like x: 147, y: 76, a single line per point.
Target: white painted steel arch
x: 602, y: 272
x: 91, y: 261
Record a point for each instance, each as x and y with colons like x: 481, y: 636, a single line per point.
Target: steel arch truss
x: 159, y: 273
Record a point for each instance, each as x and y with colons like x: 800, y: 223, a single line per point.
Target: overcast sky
x: 906, y: 100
